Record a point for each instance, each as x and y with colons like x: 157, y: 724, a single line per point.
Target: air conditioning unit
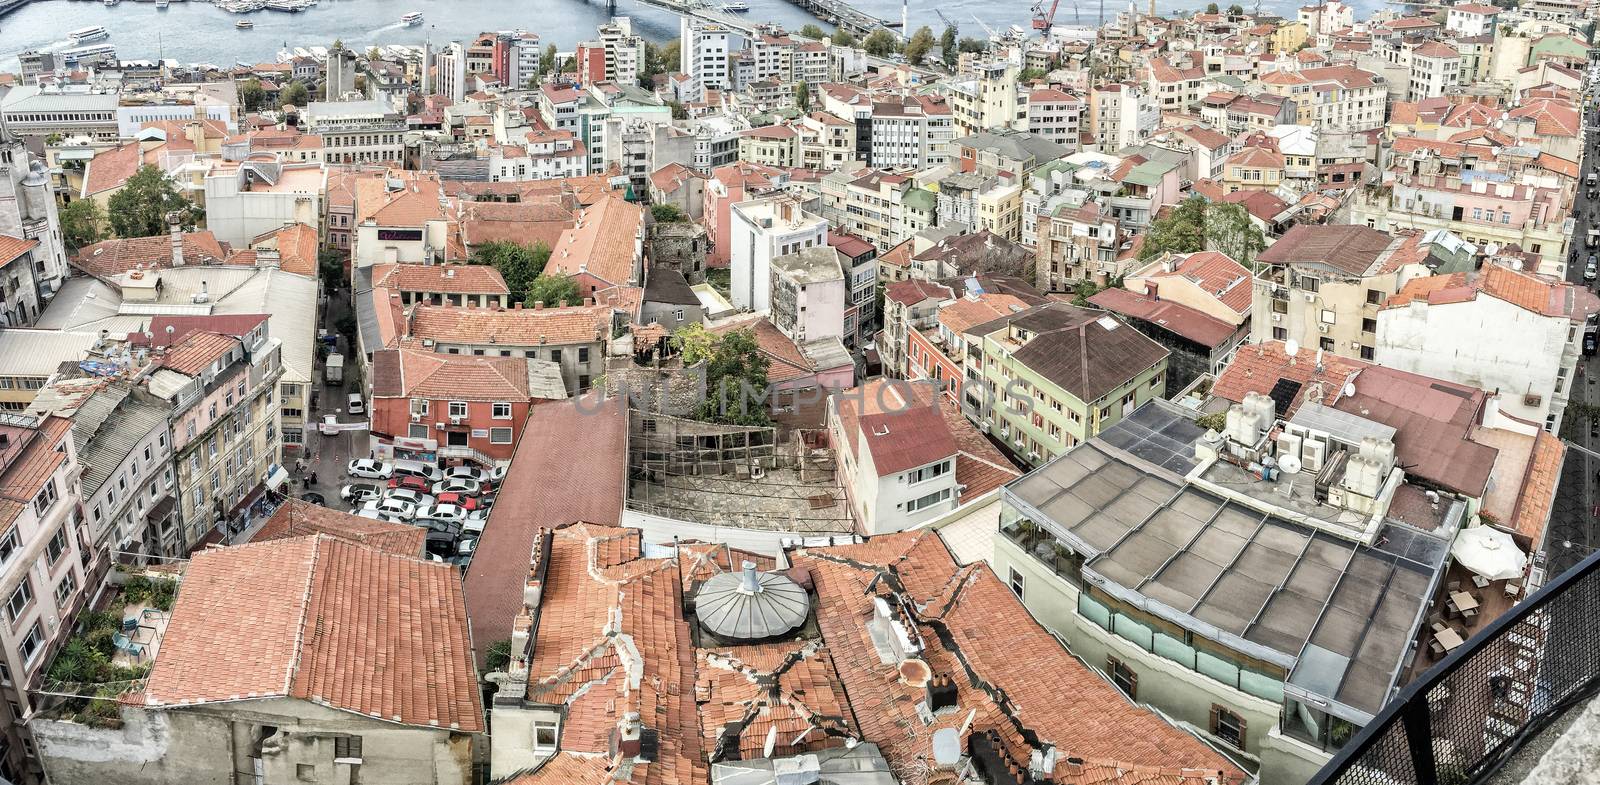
x: 455, y: 420
x: 438, y: 426
x: 1033, y: 456
x: 1322, y: 328
x: 1277, y: 317
x: 415, y: 417
x: 1311, y: 297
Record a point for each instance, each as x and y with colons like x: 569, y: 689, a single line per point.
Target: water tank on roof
x: 751, y: 605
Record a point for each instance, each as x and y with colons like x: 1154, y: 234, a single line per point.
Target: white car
x: 360, y: 493
x: 380, y: 516
x: 466, y: 473
x: 370, y: 469
x: 498, y: 473
x: 396, y: 507
x: 474, y: 523
x: 355, y: 405
x: 442, y: 512
x: 458, y: 485
x: 413, y: 498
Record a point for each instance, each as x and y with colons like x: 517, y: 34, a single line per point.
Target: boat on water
x: 244, y: 24
x: 162, y: 5
x: 88, y: 54
x: 412, y: 19
x: 736, y: 7
x: 87, y: 34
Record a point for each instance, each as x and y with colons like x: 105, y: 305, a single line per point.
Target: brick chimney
x: 175, y: 232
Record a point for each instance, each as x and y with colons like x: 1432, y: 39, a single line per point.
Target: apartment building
x: 1073, y: 244
x: 34, y: 110
x: 1056, y: 115
x: 1515, y: 334
x: 1043, y: 380
x: 357, y: 131
x: 1435, y: 70
x: 760, y: 231
x: 1322, y: 286
x: 454, y: 406
x: 1121, y: 115
x: 911, y: 131
x: 31, y: 228
x: 882, y: 208
x: 706, y: 53
x: 245, y: 199
x: 41, y: 571
x: 573, y: 336
x: 987, y: 97
x: 1333, y: 98
x: 810, y: 297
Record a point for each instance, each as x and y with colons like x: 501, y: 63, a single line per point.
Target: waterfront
x: 201, y: 32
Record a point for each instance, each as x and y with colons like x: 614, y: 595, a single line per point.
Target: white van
x: 426, y: 471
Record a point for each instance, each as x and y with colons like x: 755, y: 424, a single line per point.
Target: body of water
x: 198, y: 32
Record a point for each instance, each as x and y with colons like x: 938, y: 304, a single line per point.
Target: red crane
x: 1042, y: 20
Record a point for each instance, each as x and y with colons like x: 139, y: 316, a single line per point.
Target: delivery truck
x: 333, y: 370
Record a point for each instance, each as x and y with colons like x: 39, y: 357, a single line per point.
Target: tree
x: 678, y: 110
x: 1180, y: 231
x: 295, y: 94
x: 1229, y: 230
x: 813, y: 32
x: 1212, y: 9
x: 667, y: 214
x: 734, y: 363
x: 518, y: 264
x: 842, y: 38
x: 920, y: 44
x: 671, y: 55
x: 947, y: 46
x: 973, y: 46
x: 802, y: 96
x: 548, y: 64
x: 553, y: 290
x: 1031, y: 75
x: 881, y: 43
x: 1235, y: 10
x: 82, y: 223
x: 253, y: 95
x: 141, y: 208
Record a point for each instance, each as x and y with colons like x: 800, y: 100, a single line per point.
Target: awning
x: 276, y: 477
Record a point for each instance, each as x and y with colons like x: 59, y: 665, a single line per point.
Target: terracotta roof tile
x: 198, y: 350
x: 12, y: 248
x: 296, y: 518
x: 442, y: 278
x: 109, y: 258
x: 1216, y: 273
x: 1538, y: 488
x: 511, y: 326
x: 604, y: 243
x: 409, y: 373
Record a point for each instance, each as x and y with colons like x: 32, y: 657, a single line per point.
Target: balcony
x: 1489, y: 701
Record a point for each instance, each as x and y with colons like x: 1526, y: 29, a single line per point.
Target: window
x: 458, y: 408
x: 1227, y: 726
x: 20, y: 599
x: 46, y: 498
x: 937, y: 497
x: 1374, y: 297
x: 31, y: 643
x: 1124, y: 677
x: 57, y: 546
x: 583, y: 352
x: 1016, y: 583
x: 499, y: 435
x: 65, y: 588
x: 501, y: 411
x: 545, y: 733
x: 346, y: 749
x: 305, y: 772
x: 417, y: 431
x: 1325, y: 344
x: 419, y: 407
x: 928, y: 472
x: 1369, y: 325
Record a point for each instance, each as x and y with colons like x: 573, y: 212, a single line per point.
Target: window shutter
x: 1133, y: 685
x: 1242, y: 732
x: 1216, y: 720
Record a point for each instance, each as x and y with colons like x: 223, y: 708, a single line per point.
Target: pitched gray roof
x: 108, y: 427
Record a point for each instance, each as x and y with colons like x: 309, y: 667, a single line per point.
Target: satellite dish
x: 946, y: 747
x: 1289, y: 463
x: 1350, y: 389
x: 772, y: 742
x: 1291, y: 347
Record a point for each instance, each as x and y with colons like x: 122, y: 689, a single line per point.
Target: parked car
x: 397, y: 507
x: 465, y: 502
x: 440, y: 544
x: 468, y: 473
x: 314, y: 498
x: 413, y: 498
x: 410, y: 481
x: 426, y: 471
x: 467, y: 547
x: 360, y: 493
x: 370, y: 469
x: 380, y: 516
x: 497, y: 474
x: 487, y: 500
x: 444, y: 512
x: 436, y: 525
x: 474, y: 524
x: 355, y: 405
x: 458, y: 485
x: 1589, y: 272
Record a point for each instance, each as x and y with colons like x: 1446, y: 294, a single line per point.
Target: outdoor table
x: 1463, y: 601
x: 1449, y: 639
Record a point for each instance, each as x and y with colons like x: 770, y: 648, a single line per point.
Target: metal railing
x: 1463, y: 719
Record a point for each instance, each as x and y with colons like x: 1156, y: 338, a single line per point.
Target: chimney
x: 749, y: 580
x: 538, y: 305
x: 561, y: 304
x: 629, y: 735
x: 176, y: 233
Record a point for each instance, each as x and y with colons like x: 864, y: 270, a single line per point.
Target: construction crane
x: 1043, y: 20
x: 993, y: 36
x: 945, y: 19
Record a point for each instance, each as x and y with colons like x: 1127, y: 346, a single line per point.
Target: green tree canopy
x: 548, y: 63
x: 802, y: 96
x: 1196, y: 225
x: 141, y: 208
x: 733, y: 363
x: 1229, y: 230
x: 973, y: 46
x: 82, y: 223
x: 1235, y: 10
x: 842, y: 38
x: 295, y: 94
x: 553, y: 290
x: 920, y: 44
x: 881, y: 43
x: 1031, y: 75
x: 667, y: 213
x: 813, y: 32
x: 253, y: 95
x: 518, y: 264
x: 948, y: 46
x: 1211, y: 8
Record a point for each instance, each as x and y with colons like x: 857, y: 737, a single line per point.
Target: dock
x: 846, y: 17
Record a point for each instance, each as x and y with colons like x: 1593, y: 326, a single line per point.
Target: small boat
x: 87, y: 34
x: 162, y: 5
x: 244, y: 24
x: 412, y: 19
x: 736, y: 7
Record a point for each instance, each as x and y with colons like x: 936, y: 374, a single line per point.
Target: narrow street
x: 327, y: 456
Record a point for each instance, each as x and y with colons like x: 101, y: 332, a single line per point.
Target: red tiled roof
x: 1216, y: 273
x: 899, y: 423
x: 1257, y: 368
x: 324, y: 620
x: 1538, y: 487
x: 12, y: 248
x: 511, y: 326
x: 914, y: 290
x: 108, y: 258
x: 296, y: 518
x: 24, y: 475
x: 548, y: 485
x: 603, y: 244
x: 408, y: 373
x: 236, y: 325
x: 197, y: 350
x: 442, y: 278
x: 1197, y: 326
x: 1530, y: 292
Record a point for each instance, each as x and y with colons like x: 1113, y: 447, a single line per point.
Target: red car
x: 465, y: 502
x: 409, y: 482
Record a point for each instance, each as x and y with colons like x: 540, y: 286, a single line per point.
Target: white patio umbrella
x: 1489, y: 552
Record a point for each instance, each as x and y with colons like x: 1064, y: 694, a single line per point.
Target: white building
x: 452, y: 68
x: 760, y: 231
x: 705, y: 53
x: 913, y: 132
x: 809, y: 294
x: 247, y: 198
x: 31, y: 110
x: 28, y: 212
x: 897, y: 458
x: 1470, y: 20
x: 1513, y: 334
x: 357, y: 131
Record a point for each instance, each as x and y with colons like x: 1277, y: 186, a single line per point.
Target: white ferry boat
x: 412, y: 19
x: 736, y: 7
x: 88, y: 54
x: 243, y: 24
x: 87, y: 34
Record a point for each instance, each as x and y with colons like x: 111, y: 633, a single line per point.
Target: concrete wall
x: 205, y: 745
